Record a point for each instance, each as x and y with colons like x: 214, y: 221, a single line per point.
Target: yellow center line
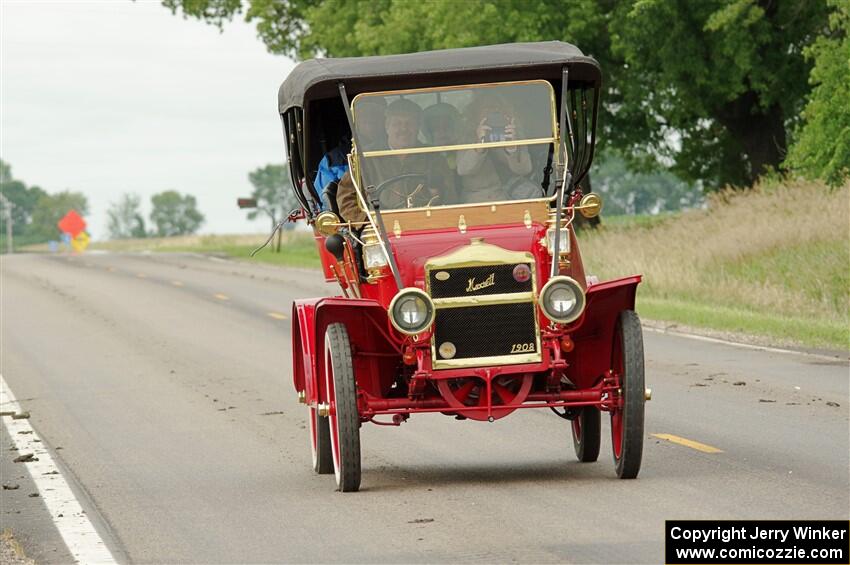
x: 141, y: 275
x: 277, y: 315
x: 221, y: 296
x: 688, y: 443
x: 111, y: 269
x: 177, y: 283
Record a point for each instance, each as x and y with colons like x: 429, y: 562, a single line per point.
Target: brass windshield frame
x: 356, y: 155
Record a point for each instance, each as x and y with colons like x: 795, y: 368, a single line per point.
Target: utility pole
x: 7, y: 208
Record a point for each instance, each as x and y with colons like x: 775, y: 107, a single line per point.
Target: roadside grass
x: 20, y: 242
x: 772, y: 261
x: 633, y: 221
x: 298, y: 249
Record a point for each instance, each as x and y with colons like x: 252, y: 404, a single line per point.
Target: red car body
x: 379, y: 347
x: 483, y: 267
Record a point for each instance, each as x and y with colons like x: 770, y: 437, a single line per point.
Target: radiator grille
x: 461, y: 280
x: 490, y: 330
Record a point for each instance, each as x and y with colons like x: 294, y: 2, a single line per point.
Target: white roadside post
x: 7, y: 208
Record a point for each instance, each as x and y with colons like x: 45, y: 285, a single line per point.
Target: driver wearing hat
x: 433, y: 183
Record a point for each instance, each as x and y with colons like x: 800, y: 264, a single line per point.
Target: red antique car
x: 462, y: 288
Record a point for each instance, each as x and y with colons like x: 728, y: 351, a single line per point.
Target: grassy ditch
x: 772, y: 261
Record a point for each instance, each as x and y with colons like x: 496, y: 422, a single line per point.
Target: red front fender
x: 303, y: 350
x: 591, y: 357
x: 372, y: 342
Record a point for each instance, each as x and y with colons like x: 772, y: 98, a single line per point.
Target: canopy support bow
x: 378, y: 224
x: 563, y: 185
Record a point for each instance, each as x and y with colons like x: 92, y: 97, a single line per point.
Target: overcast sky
x: 115, y: 96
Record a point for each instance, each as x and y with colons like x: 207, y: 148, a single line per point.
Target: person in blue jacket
x: 332, y: 167
x: 370, y: 129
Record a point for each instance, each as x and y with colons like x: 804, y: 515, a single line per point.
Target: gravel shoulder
x: 11, y: 551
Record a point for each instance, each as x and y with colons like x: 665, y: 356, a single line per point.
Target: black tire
x: 630, y: 336
x: 323, y: 462
x: 344, y: 419
x: 587, y: 434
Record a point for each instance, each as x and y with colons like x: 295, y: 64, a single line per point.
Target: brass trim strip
x: 484, y: 300
x: 460, y: 147
x: 487, y: 361
x: 491, y: 206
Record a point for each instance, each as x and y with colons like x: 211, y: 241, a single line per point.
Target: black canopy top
x: 318, y: 78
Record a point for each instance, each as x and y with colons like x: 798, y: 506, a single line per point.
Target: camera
x: 497, y: 122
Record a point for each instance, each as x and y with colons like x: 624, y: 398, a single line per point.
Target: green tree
x: 273, y: 193
x: 710, y: 86
x: 125, y: 218
x: 5, y: 171
x: 822, y: 149
x: 175, y: 214
x: 631, y: 192
x: 50, y: 208
x: 720, y: 81
x: 22, y: 197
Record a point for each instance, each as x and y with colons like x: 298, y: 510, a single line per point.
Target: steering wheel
x: 378, y: 190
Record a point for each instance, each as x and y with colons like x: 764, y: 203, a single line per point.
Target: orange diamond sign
x: 71, y: 223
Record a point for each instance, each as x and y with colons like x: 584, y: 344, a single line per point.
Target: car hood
x: 413, y: 249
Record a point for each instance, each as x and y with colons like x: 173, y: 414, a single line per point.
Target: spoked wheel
x: 468, y: 392
x: 343, y: 419
x: 587, y: 433
x: 627, y: 418
x: 320, y: 442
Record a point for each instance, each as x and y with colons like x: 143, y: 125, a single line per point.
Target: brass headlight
x: 562, y: 299
x: 411, y: 311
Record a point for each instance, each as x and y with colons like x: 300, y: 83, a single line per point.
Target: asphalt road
x: 166, y: 381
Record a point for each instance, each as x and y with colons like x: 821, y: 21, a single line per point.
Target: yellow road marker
x: 141, y: 275
x: 177, y: 283
x: 277, y: 315
x: 80, y: 242
x: 688, y: 443
x: 221, y: 296
x: 111, y: 269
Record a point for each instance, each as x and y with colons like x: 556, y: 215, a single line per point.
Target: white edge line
x: 745, y: 345
x: 77, y: 531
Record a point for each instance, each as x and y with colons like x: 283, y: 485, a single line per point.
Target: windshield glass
x: 456, y: 145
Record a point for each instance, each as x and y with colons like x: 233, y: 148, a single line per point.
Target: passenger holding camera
x: 495, y: 173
